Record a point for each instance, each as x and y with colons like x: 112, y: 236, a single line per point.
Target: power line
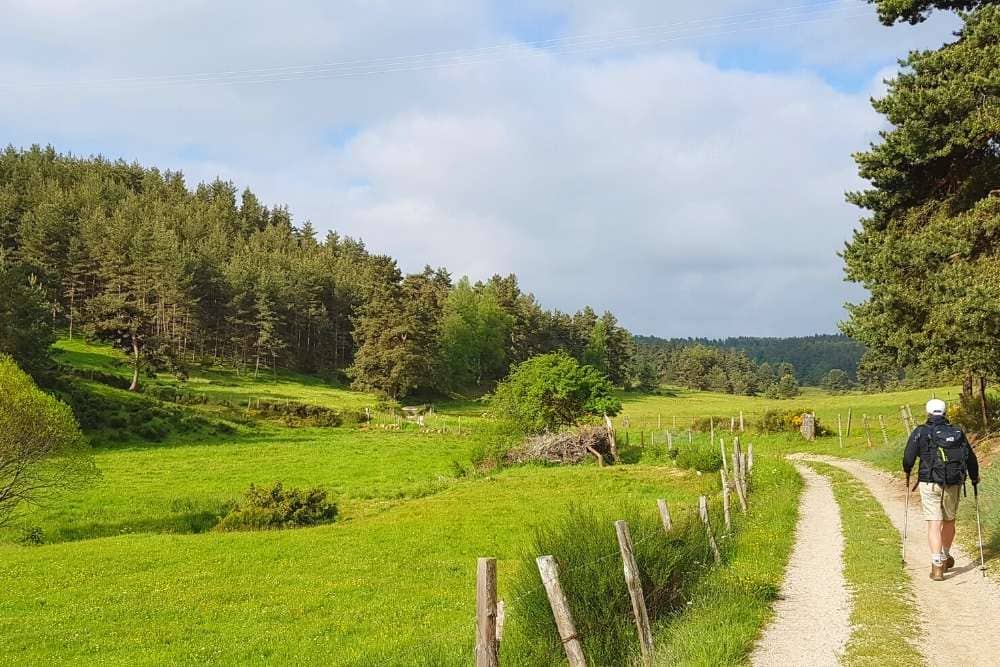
x: 783, y: 17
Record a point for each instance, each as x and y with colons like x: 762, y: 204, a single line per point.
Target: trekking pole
x: 906, y: 516
x: 979, y: 527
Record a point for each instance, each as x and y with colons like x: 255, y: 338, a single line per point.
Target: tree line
x: 811, y: 356
x: 707, y: 368
x: 177, y: 276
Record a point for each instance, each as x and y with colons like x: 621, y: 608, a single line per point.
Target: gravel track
x: 811, y: 625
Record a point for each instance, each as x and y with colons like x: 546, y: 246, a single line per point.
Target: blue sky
x: 682, y: 164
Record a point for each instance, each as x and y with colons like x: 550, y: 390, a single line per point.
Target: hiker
x: 946, y: 460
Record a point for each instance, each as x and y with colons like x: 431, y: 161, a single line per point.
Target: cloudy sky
x: 682, y: 164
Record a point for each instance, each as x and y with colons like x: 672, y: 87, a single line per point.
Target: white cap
x: 936, y: 406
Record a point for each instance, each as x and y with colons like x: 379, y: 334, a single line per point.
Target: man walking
x: 946, y: 460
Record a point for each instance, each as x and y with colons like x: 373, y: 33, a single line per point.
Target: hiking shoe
x: 937, y: 572
x: 950, y: 563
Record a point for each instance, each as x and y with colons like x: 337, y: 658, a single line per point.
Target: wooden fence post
x: 487, y: 647
x: 549, y: 571
x: 725, y: 501
x: 732, y: 424
x: 501, y: 619
x: 885, y: 435
x: 665, y: 515
x: 868, y: 433
x: 611, y: 438
x: 741, y: 422
x: 722, y: 450
x: 659, y: 422
x: 906, y: 419
x: 670, y: 442
x: 741, y: 491
x: 840, y: 430
x: 703, y: 513
x: 749, y: 458
x: 850, y: 414
x: 690, y: 437
x: 634, y: 584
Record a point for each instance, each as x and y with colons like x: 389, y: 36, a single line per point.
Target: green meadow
x: 130, y: 570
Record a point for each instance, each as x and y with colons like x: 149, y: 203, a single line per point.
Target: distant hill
x: 812, y: 356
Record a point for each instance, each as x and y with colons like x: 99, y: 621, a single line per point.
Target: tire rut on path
x: 959, y: 616
x: 812, y: 617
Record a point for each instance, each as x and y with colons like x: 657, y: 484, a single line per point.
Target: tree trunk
x: 135, y: 365
x: 256, y: 368
x: 967, y: 386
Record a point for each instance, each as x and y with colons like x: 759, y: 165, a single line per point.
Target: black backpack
x: 948, y: 465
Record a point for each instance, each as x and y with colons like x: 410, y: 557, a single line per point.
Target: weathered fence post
x: 501, y: 619
x: 560, y: 611
x: 611, y: 438
x: 670, y: 442
x: 690, y: 437
x: 906, y: 419
x: 659, y: 422
x: 750, y: 458
x: 487, y: 647
x: 732, y: 424
x: 722, y: 450
x: 840, y: 430
x: 725, y: 501
x: 703, y: 513
x: 868, y: 433
x: 850, y: 414
x: 634, y: 584
x: 738, y: 477
x: 741, y: 422
x: 885, y: 435
x: 665, y: 515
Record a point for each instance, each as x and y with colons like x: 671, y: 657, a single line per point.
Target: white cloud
x: 689, y: 195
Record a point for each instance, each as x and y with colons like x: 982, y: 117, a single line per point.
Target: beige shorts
x: 940, y: 502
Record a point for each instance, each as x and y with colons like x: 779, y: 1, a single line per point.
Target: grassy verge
x: 883, y: 616
x: 730, y: 605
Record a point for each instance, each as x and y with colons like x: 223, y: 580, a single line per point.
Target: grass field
x: 131, y: 571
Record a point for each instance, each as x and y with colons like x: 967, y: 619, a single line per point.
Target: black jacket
x: 919, y: 445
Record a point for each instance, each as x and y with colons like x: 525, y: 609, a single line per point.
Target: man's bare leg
x: 947, y: 535
x: 934, y: 535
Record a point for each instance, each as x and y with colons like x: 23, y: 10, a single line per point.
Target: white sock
x: 937, y: 559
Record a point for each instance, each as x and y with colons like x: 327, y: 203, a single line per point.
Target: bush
x: 968, y: 412
x: 787, y: 421
x: 550, y: 391
x: 701, y: 457
x: 704, y: 424
x: 585, y: 547
x: 42, y: 451
x: 291, y: 413
x: 276, y: 507
x: 32, y: 536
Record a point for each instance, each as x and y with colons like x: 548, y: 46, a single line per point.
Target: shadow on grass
x: 192, y: 522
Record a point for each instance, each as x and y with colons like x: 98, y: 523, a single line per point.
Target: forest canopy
x: 175, y: 276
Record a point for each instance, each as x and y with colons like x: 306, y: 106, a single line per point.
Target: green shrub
x: 31, y: 536
x: 585, y: 547
x: 787, y: 421
x: 291, y: 413
x: 550, y: 391
x: 704, y: 424
x: 42, y: 451
x: 968, y: 412
x: 699, y: 456
x: 276, y: 507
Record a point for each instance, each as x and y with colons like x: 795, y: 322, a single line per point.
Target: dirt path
x: 811, y: 624
x: 959, y: 616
